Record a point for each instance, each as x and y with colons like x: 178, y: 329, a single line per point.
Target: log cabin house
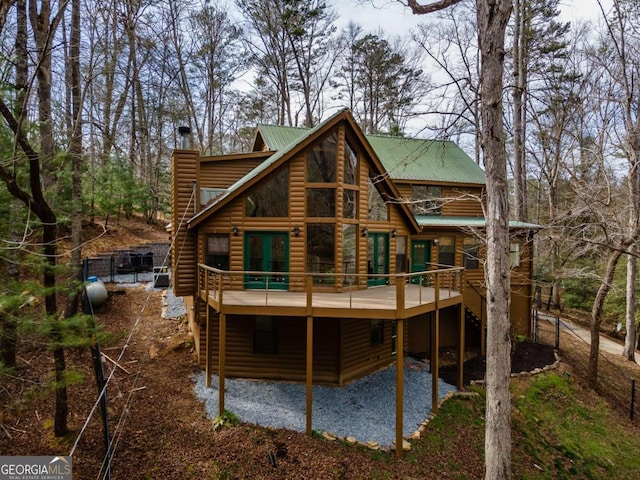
x: 325, y: 254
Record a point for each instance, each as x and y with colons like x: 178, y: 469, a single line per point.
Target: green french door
x: 420, y: 256
x: 266, y: 252
x: 377, y: 258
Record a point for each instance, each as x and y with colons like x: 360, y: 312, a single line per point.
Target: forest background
x: 93, y: 94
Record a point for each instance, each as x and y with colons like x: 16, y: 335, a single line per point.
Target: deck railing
x: 345, y: 290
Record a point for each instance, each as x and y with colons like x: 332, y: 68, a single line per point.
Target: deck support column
x: 308, y: 285
x: 208, y: 349
x: 461, y: 340
x: 309, y: 375
x: 221, y: 361
x: 399, y: 385
x: 435, y: 359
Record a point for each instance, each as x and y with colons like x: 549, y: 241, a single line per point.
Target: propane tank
x: 96, y: 291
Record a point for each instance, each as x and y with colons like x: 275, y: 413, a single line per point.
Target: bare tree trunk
x: 75, y: 151
x: 596, y: 317
x: 8, y: 318
x: 43, y: 28
x: 518, y: 93
x: 629, y: 351
x: 493, y: 16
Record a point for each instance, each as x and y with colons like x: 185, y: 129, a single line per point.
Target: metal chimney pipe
x: 185, y: 137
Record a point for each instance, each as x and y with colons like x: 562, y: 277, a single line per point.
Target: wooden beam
x: 208, y: 347
x: 483, y: 328
x: 461, y: 340
x: 435, y: 359
x: 222, y: 341
x: 400, y: 301
x: 309, y: 374
x: 399, y: 385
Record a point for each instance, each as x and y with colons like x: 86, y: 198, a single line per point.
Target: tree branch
x: 419, y: 9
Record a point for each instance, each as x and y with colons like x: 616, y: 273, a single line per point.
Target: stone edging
x: 535, y: 371
x: 416, y: 435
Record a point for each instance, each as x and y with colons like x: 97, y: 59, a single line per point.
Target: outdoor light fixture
x: 365, y: 231
x: 296, y: 231
x: 394, y: 233
x: 435, y: 241
x: 234, y: 229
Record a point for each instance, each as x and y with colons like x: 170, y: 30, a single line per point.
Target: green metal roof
x: 470, y: 222
x: 278, y: 137
x: 410, y: 159
x: 413, y: 159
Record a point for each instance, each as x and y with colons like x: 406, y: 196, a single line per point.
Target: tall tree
x: 493, y: 16
x: 380, y: 79
x: 623, y: 67
x: 452, y: 44
x: 44, y: 24
x: 309, y: 26
x: 539, y: 51
x: 292, y: 50
x: 271, y: 51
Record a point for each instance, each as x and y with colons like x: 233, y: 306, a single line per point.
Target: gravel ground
x: 174, y: 307
x: 364, y: 409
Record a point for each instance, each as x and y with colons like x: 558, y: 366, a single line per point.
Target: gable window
x: 321, y: 202
x: 401, y: 254
x: 426, y: 199
x: 470, y: 253
x: 349, y: 204
x: 217, y: 254
x: 514, y: 254
x: 350, y: 165
x: 377, y: 332
x: 269, y: 199
x: 377, y: 207
x: 349, y: 243
x: 321, y: 252
x: 321, y: 160
x: 446, y: 251
x: 265, y: 334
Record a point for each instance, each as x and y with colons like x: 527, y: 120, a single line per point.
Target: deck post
x: 206, y: 282
x: 400, y: 303
x: 208, y: 350
x: 435, y: 359
x: 309, y: 355
x: 309, y: 374
x: 461, y: 340
x: 221, y: 361
x: 399, y: 385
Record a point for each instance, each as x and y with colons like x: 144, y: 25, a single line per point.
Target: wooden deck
x: 404, y: 296
x: 403, y: 299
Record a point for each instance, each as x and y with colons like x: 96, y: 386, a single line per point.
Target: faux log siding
x: 297, y: 214
x: 359, y: 358
x: 462, y: 202
x: 521, y: 309
x: 420, y: 331
x: 183, y: 250
x: 456, y: 204
x: 222, y: 174
x: 289, y: 363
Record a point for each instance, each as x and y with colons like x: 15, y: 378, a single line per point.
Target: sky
x: 394, y: 19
